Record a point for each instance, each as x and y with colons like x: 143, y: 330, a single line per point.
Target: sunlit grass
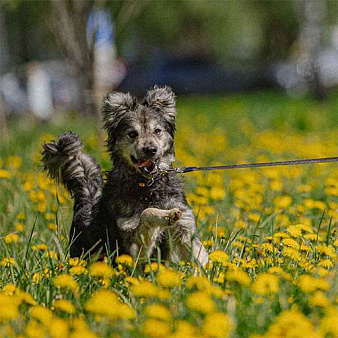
x: 271, y: 233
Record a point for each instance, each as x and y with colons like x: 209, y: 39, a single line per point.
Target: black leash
x: 184, y: 170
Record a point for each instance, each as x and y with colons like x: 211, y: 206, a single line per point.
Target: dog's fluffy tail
x: 65, y: 161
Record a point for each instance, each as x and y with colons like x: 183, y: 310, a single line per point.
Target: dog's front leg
x: 147, y: 234
x: 187, y: 245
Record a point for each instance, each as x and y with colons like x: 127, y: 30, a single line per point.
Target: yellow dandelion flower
x: 19, y: 227
x: 78, y: 270
x: 184, y: 329
x: 320, y: 205
x: 158, y: 311
x: 163, y: 294
x: 335, y: 243
x: 36, y: 278
x: 51, y: 254
x: 144, y: 289
x: 313, y: 237
x: 267, y: 247
x: 254, y: 217
x: 168, y: 278
x: 319, y: 299
x: 77, y: 262
x: 303, y: 189
x: 11, y: 238
x: 66, y: 281
x: 47, y: 273
x: 125, y: 260
x: 35, y: 329
x: 25, y: 297
x: 217, y: 193
x: 304, y: 228
x: 322, y: 272
x: 217, y: 325
x: 131, y: 281
x: 41, y: 207
x: 305, y: 264
x: 304, y: 247
x: 275, y: 269
x: 81, y: 329
x: 283, y: 202
x: 202, y: 191
x: 28, y: 186
x: 155, y: 328
x: 39, y: 247
x: 8, y: 261
x: 280, y: 235
x: 276, y: 185
x: 291, y: 253
x: 199, y: 282
x: 41, y: 313
x: 329, y: 324
x: 106, y: 303
x: 291, y: 323
x: 266, y: 284
x: 309, y: 203
x: 52, y: 226
x: 58, y: 328
x: 9, y: 289
x: 155, y: 267
x: 290, y: 242
x: 219, y: 256
x: 326, y: 263
x: 311, y: 284
x: 64, y: 305
x: 8, y: 308
x: 326, y: 250
x: 201, y: 302
x: 238, y: 276
x: 208, y: 243
x: 5, y: 173
x: 101, y: 269
x: 294, y: 231
x: 21, y: 216
x: 14, y: 162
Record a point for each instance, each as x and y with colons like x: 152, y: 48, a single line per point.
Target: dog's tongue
x: 144, y: 164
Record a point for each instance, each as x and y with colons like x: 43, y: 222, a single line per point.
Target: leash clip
x: 150, y: 182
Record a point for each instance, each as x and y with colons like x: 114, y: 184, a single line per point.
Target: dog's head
x: 141, y: 134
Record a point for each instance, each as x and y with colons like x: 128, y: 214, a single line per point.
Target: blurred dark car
x: 193, y: 75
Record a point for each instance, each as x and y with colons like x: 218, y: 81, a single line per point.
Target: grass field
x: 271, y: 233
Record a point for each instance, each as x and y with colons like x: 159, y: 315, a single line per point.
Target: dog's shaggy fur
x: 126, y: 214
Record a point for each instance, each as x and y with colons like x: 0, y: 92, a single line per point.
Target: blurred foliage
x: 230, y: 31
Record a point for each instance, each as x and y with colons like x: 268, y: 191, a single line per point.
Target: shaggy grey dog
x: 137, y: 208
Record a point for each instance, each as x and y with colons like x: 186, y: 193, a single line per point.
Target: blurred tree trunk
x: 70, y: 29
x: 312, y: 16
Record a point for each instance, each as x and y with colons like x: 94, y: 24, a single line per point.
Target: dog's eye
x: 132, y: 134
x: 158, y: 132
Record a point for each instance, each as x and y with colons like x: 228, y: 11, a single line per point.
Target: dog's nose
x: 150, y: 151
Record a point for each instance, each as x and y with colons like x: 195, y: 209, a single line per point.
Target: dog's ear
x: 163, y: 99
x: 115, y: 106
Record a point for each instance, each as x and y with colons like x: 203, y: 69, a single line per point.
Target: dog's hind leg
x: 65, y: 161
x: 147, y: 234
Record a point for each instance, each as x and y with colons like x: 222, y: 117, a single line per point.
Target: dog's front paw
x: 174, y: 215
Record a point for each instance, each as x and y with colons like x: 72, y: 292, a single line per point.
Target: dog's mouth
x: 147, y: 166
